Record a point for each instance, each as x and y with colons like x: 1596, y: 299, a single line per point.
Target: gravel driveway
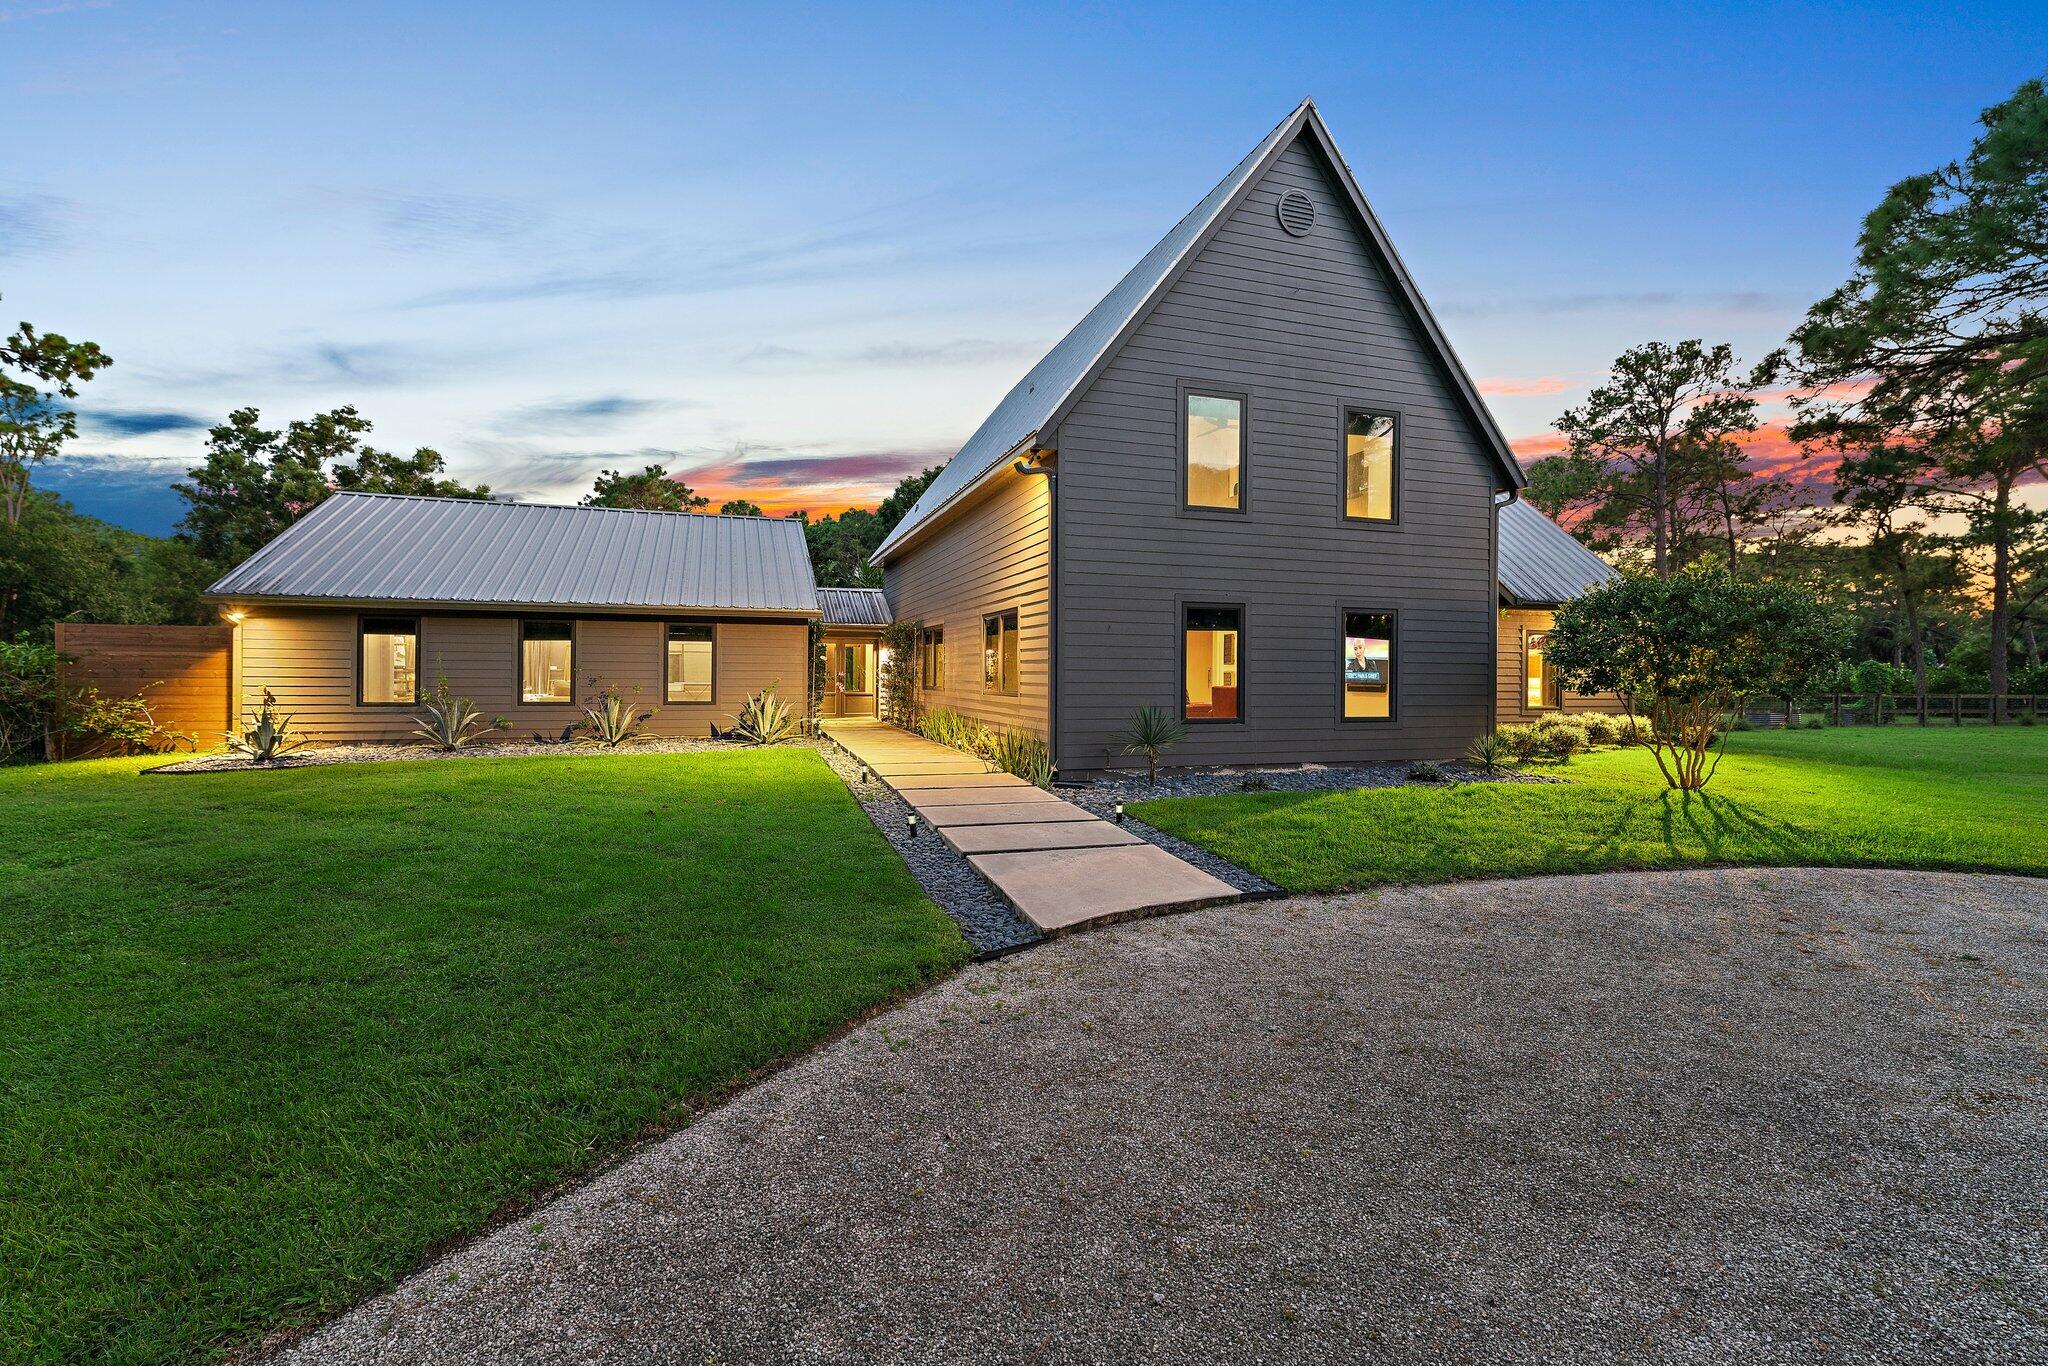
x: 1752, y: 1116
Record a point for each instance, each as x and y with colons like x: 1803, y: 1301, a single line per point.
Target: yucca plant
x: 1022, y: 753
x: 1153, y: 731
x: 613, y: 720
x: 448, y: 722
x: 1489, y: 753
x: 270, y: 736
x: 765, y: 719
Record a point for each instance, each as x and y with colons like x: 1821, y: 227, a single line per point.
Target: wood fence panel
x: 181, y: 671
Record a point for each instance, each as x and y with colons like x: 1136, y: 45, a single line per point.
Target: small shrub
x: 613, y: 719
x: 1740, y: 722
x: 1022, y: 753
x: 1522, y: 743
x: 1599, y: 728
x: 1425, y: 772
x: 270, y: 736
x: 1254, y: 783
x: 1813, y: 721
x: 448, y: 722
x: 765, y: 719
x: 1489, y: 753
x: 101, y: 725
x: 28, y: 698
x: 1562, y: 742
x: 1153, y: 731
x: 1631, y: 730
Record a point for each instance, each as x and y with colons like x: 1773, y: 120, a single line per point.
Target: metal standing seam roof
x: 1045, y: 389
x: 1541, y: 564
x: 855, y: 607
x: 381, y: 547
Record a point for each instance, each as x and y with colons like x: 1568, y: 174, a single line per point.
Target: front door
x: 849, y: 678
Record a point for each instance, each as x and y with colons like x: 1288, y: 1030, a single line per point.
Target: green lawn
x: 266, y: 1038
x: 1900, y: 796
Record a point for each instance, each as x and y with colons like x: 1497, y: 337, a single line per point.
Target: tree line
x: 1919, y: 387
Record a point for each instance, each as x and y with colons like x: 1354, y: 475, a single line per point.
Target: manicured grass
x: 1899, y: 796
x: 265, y: 1038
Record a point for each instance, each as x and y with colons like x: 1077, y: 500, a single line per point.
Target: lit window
x: 1540, y: 680
x: 932, y: 674
x: 1215, y: 451
x: 1369, y: 467
x: 390, y: 661
x: 547, y: 662
x: 999, y: 653
x: 1368, y: 667
x: 689, y: 663
x: 1213, y: 649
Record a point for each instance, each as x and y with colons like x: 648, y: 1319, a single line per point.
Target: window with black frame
x: 1367, y: 670
x: 689, y: 662
x: 1368, y: 466
x: 547, y: 662
x: 999, y: 653
x: 390, y: 671
x: 1212, y: 660
x: 1214, y: 432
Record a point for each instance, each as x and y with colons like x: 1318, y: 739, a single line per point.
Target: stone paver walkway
x: 1060, y: 866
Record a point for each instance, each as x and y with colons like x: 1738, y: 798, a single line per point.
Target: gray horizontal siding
x: 1306, y: 326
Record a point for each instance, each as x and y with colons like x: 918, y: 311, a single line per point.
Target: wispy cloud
x: 885, y: 355
x: 32, y: 223
x: 603, y: 284
x: 440, y: 222
x: 333, y: 364
x: 1728, y: 301
x: 141, y: 422
x: 41, y: 9
x: 579, y: 414
x: 1517, y: 388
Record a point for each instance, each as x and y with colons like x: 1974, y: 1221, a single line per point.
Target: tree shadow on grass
x: 1695, y: 825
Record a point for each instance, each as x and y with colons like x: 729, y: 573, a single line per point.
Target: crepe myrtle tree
x: 1683, y: 652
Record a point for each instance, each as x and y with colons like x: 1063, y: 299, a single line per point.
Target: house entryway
x: 1060, y: 866
x: 849, y: 677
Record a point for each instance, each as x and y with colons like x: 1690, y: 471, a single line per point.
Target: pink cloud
x: 1522, y: 388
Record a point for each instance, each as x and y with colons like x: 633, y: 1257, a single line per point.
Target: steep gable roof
x: 394, y: 548
x: 1034, y: 407
x: 1541, y: 564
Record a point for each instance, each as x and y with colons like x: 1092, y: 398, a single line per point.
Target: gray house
x: 1253, y: 484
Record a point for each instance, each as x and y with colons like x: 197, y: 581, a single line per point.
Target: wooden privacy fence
x: 1880, y: 709
x: 182, y: 672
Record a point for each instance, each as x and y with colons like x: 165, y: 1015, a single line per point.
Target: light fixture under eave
x: 235, y: 615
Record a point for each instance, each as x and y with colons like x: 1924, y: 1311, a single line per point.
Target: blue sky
x: 806, y: 250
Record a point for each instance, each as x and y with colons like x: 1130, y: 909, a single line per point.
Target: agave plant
x: 1153, y: 731
x: 448, y: 722
x: 1489, y: 753
x: 765, y: 719
x: 613, y: 720
x: 269, y: 737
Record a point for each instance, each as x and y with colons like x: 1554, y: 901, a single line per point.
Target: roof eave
x: 430, y: 605
x: 891, y: 545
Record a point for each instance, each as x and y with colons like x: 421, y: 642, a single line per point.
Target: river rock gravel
x: 1747, y: 1116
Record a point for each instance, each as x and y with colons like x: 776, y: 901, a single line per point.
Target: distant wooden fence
x: 182, y: 672
x: 1883, y: 709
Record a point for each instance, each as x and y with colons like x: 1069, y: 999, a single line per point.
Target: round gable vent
x: 1297, y: 213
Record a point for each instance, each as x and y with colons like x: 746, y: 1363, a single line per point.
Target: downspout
x: 1052, y: 590
x: 1493, y: 616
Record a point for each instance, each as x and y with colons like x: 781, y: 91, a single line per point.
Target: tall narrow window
x: 390, y: 674
x: 1214, y: 430
x: 1367, y: 671
x: 1539, y: 679
x: 1212, y: 651
x: 689, y: 662
x: 1369, y: 466
x: 999, y: 653
x: 932, y: 669
x: 547, y: 662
